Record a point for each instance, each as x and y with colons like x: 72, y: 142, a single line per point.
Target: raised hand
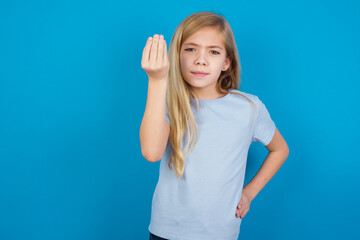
x: 154, y: 59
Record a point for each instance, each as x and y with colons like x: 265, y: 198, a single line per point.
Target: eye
x: 190, y: 50
x: 216, y: 52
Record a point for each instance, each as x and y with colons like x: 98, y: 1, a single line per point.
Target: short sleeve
x: 264, y: 127
x: 167, y: 114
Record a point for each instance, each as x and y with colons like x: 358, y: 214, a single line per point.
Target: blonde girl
x: 201, y: 126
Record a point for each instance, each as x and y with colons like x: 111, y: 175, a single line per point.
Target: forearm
x: 152, y: 127
x: 270, y: 166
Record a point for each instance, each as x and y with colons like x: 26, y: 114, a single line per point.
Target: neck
x: 202, y: 94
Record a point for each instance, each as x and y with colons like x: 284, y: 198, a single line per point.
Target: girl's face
x: 203, y: 52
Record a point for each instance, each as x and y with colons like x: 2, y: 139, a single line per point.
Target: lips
x: 200, y: 74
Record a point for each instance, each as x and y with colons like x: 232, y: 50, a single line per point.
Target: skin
x: 155, y: 61
x: 154, y: 130
x: 206, y: 59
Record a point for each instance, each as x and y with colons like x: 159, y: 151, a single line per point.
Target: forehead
x: 206, y: 37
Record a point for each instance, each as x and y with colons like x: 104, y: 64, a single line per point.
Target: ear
x: 227, y: 64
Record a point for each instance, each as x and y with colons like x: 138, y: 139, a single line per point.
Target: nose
x: 201, y: 62
x: 201, y: 59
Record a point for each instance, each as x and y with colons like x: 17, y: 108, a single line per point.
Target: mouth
x: 199, y: 74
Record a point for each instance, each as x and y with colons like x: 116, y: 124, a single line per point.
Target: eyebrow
x: 210, y: 46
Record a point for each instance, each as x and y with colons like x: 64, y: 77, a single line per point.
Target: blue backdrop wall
x: 73, y: 93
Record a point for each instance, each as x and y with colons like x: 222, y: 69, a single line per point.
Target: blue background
x: 73, y: 93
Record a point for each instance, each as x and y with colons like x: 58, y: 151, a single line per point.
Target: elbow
x: 150, y: 157
x: 286, y: 152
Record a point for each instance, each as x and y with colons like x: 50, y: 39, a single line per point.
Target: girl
x: 201, y: 126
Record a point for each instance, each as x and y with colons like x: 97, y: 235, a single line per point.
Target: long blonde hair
x: 179, y: 92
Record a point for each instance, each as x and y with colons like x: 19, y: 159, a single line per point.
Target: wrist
x: 158, y: 80
x: 249, y: 191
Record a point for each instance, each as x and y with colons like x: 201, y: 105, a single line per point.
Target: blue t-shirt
x: 202, y: 205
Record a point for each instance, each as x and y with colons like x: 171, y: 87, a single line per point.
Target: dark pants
x: 154, y: 237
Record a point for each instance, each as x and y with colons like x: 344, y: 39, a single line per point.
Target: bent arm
x: 279, y: 152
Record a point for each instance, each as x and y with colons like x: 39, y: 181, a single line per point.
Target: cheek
x: 220, y: 65
x: 220, y: 62
x: 184, y: 62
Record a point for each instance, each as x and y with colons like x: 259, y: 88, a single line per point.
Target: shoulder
x: 254, y: 98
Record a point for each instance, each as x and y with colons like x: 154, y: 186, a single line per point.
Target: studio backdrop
x: 73, y: 94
